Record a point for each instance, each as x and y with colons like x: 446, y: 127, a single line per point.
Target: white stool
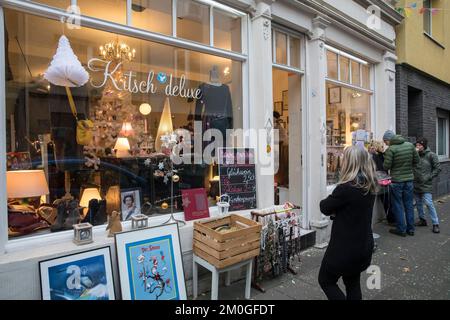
x: 215, y: 276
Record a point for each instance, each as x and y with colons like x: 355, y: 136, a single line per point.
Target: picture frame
x: 278, y: 107
x: 150, y: 263
x: 18, y: 161
x: 130, y: 203
x: 195, y: 204
x: 334, y: 95
x: 81, y: 276
x: 285, y: 98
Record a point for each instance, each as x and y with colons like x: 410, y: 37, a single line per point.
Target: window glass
x: 62, y: 4
x: 356, y: 74
x: 155, y: 16
x: 344, y: 69
x: 193, y: 21
x: 348, y: 110
x: 145, y: 107
x: 294, y: 47
x: 227, y: 31
x: 332, y: 64
x: 365, y: 76
x: 109, y: 10
x: 281, y: 47
x: 442, y: 136
x: 427, y: 16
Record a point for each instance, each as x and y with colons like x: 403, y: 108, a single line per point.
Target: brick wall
x: 418, y: 96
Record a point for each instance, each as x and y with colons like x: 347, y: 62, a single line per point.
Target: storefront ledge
x: 320, y: 224
x: 59, y: 244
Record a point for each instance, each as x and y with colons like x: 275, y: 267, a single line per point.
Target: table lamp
x: 88, y: 195
x: 26, y: 184
x: 122, y: 147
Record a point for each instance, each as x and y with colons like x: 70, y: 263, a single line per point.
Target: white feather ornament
x: 65, y: 69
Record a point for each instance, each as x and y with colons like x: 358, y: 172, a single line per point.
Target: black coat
x: 351, y: 244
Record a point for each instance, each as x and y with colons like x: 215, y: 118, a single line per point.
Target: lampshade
x: 127, y: 129
x: 145, y: 109
x: 122, y: 143
x: 26, y: 183
x: 165, y: 124
x: 88, y: 195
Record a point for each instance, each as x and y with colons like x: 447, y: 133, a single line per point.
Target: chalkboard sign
x: 238, y: 177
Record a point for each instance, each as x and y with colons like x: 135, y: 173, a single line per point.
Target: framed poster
x: 278, y: 107
x: 18, y: 161
x: 130, y: 201
x: 334, y: 95
x: 150, y: 264
x: 195, y: 204
x: 285, y: 95
x: 82, y: 276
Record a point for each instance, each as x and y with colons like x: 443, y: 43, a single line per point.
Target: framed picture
x: 82, y: 276
x: 130, y: 202
x: 195, y: 204
x: 334, y: 95
x: 285, y: 95
x: 278, y: 107
x: 150, y: 264
x: 18, y: 161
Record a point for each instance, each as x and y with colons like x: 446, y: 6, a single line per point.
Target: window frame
x: 428, y: 13
x: 446, y: 117
x: 289, y: 34
x: 52, y: 13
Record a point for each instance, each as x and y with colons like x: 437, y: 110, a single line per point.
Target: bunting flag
x: 408, y: 9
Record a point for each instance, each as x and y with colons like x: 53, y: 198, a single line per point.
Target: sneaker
x: 436, y: 228
x: 410, y: 233
x: 397, y: 233
x: 421, y: 223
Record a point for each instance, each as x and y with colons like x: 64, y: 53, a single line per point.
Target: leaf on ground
x: 403, y: 258
x: 406, y: 269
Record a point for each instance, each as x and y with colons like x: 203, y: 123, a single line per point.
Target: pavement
x: 411, y: 268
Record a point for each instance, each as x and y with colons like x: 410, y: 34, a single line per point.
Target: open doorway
x: 287, y: 118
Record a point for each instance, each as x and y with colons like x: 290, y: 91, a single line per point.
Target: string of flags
x: 408, y: 9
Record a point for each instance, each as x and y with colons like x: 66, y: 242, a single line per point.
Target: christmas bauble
x: 164, y: 205
x: 176, y: 178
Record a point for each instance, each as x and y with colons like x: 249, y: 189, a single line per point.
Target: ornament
x: 268, y: 148
x: 164, y: 205
x: 65, y: 69
x: 176, y: 178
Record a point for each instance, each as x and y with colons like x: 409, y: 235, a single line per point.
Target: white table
x: 215, y: 276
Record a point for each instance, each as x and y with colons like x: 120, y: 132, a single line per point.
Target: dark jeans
x: 328, y: 283
x: 403, y: 205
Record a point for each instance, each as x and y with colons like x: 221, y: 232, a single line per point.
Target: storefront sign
x: 129, y: 81
x: 238, y: 177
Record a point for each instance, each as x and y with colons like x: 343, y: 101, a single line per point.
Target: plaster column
x: 261, y: 100
x: 385, y: 92
x: 316, y: 117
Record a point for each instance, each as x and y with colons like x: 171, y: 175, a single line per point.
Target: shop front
x: 287, y: 79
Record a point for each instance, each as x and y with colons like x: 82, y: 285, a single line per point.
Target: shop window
x: 332, y: 64
x: 294, y: 47
x: 365, y: 76
x: 109, y: 10
x: 348, y: 110
x: 155, y: 16
x: 344, y: 65
x: 121, y: 155
x: 442, y: 125
x: 227, y: 31
x: 193, y: 21
x: 281, y: 48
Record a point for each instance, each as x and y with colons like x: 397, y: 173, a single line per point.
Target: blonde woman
x: 351, y: 245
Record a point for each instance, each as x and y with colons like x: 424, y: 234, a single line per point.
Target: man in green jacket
x: 423, y: 184
x: 401, y: 159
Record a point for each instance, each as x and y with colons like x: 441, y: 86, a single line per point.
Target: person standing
x: 351, y: 244
x: 402, y: 160
x: 423, y: 185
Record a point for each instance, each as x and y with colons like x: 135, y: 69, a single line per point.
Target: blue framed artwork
x: 150, y: 264
x: 82, y: 276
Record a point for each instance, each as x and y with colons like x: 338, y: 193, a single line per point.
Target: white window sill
x: 444, y: 159
x: 60, y: 243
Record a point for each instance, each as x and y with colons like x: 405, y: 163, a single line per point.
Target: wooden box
x: 225, y: 249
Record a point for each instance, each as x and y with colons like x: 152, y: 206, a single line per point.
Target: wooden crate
x: 225, y: 249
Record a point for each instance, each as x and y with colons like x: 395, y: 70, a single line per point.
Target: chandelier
x: 117, y: 51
